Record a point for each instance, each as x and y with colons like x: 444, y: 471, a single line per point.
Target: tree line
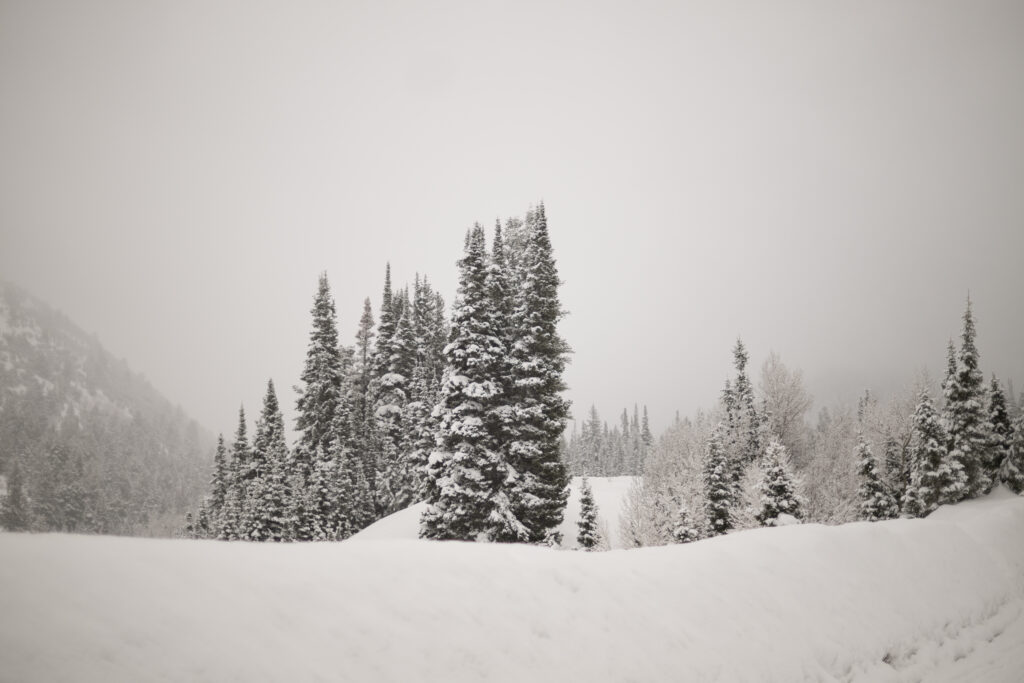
x: 755, y: 462
x: 464, y: 413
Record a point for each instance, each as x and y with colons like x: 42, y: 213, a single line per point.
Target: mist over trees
x: 465, y: 414
x: 86, y: 445
x: 755, y: 459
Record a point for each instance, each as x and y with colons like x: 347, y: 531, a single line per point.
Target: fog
x: 827, y: 181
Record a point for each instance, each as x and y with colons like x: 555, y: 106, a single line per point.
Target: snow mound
x: 609, y: 495
x: 904, y: 600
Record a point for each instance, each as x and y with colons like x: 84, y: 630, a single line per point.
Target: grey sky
x: 825, y: 179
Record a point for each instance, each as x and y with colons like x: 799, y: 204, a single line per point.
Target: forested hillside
x: 86, y: 444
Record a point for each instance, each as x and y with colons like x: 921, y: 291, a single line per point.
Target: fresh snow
x: 938, y: 599
x: 609, y: 495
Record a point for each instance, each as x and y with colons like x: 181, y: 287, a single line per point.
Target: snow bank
x: 609, y: 495
x: 891, y: 601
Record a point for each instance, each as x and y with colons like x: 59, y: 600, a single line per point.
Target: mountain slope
x: 97, y: 448
x: 905, y: 600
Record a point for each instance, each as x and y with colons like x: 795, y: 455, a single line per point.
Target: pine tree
x: 1000, y: 433
x: 365, y: 442
x: 538, y: 359
x: 271, y: 507
x: 965, y: 413
x: 1011, y: 471
x: 778, y: 488
x: 385, y: 328
x: 322, y: 391
x: 467, y: 492
x: 645, y: 432
x: 14, y: 513
x: 934, y: 479
x: 588, y: 536
x: 719, y: 491
x: 220, y: 479
x: 685, y: 531
x: 876, y: 503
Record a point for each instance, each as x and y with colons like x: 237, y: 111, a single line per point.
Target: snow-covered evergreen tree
x: 319, y: 404
x: 778, y: 488
x: 270, y: 506
x: 321, y: 390
x: 1011, y: 471
x: 220, y: 479
x: 1000, y: 433
x: 934, y: 479
x: 965, y: 412
x: 14, y: 509
x: 588, y: 536
x: 538, y: 359
x: 719, y: 488
x: 469, y: 479
x: 876, y: 503
x: 685, y: 530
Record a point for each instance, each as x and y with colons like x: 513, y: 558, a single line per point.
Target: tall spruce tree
x: 1011, y: 470
x: 934, y: 479
x: 719, y: 490
x: 965, y: 413
x: 469, y: 479
x: 588, y: 536
x: 1000, y: 433
x: 220, y: 479
x: 270, y: 506
x: 538, y: 359
x: 321, y: 390
x: 319, y: 404
x: 876, y: 502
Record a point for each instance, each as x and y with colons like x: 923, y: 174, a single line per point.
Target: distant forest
x: 86, y: 445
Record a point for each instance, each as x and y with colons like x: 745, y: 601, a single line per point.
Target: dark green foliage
x: 588, y: 536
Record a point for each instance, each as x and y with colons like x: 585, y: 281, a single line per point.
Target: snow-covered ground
x: 609, y: 495
x: 907, y: 600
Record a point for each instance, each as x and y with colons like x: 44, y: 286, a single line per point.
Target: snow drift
x: 896, y: 600
x: 609, y: 496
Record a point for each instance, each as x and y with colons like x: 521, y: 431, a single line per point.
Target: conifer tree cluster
x: 599, y: 451
x: 497, y: 472
x: 467, y: 415
x: 359, y: 421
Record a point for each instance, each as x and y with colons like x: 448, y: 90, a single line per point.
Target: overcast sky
x: 827, y: 180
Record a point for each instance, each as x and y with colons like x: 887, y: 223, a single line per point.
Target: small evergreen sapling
x: 778, y: 488
x: 685, y: 531
x: 588, y: 537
